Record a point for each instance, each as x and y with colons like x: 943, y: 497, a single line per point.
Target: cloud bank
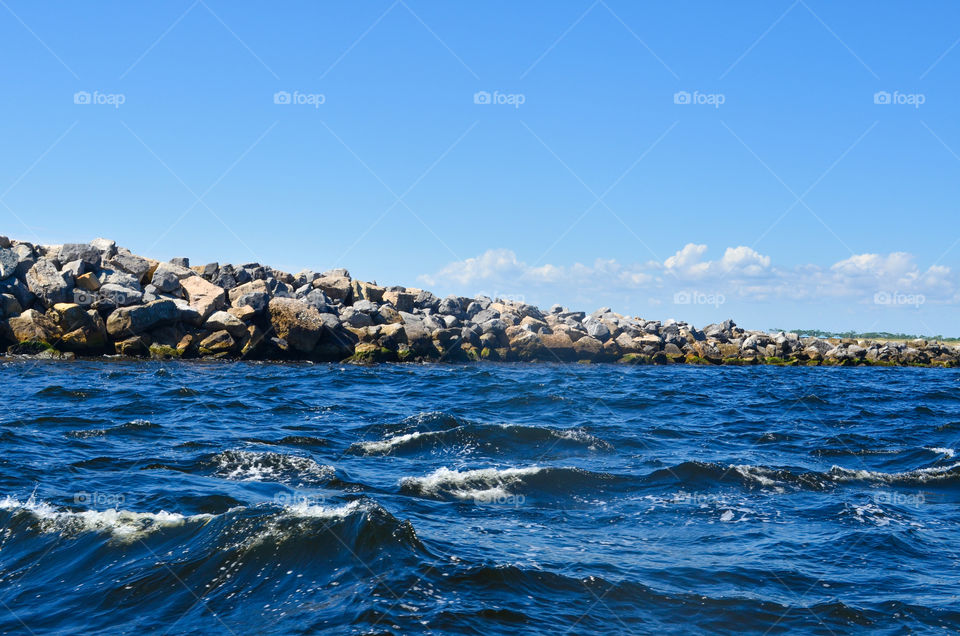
x: 741, y: 272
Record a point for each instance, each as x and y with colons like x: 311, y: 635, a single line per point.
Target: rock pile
x: 96, y: 298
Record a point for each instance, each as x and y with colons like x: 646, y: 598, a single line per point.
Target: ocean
x: 260, y: 498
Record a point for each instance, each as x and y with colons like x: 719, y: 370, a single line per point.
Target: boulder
x: 87, y: 282
x: 560, y: 345
x: 130, y: 321
x: 401, y: 301
x: 167, y: 277
x: 33, y: 326
x: 106, y: 247
x: 9, y: 306
x: 131, y: 264
x: 296, y: 322
x: 119, y: 295
x: 368, y: 291
x: 80, y: 252
x: 596, y: 329
x: 224, y: 321
x: 217, y: 343
x: 336, y: 287
x: 256, y: 286
x: 83, y: 331
x: 588, y: 348
x: 48, y: 283
x: 203, y: 296
x: 9, y: 260
x: 256, y: 301
x: 354, y: 318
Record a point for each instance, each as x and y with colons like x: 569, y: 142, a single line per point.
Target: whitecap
x: 122, y: 524
x: 489, y: 483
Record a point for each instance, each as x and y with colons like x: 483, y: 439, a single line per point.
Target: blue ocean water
x: 238, y: 498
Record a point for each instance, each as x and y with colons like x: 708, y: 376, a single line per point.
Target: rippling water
x: 265, y: 498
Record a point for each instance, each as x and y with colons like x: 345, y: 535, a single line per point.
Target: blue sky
x: 782, y: 195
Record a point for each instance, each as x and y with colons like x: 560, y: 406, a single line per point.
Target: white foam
x: 243, y: 465
x: 122, y: 524
x: 386, y: 445
x: 304, y: 510
x: 485, y: 483
x: 949, y: 452
x: 757, y: 473
x: 922, y: 475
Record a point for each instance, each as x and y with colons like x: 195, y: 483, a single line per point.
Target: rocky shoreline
x: 94, y: 299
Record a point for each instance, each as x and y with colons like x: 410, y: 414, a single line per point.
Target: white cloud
x: 741, y: 272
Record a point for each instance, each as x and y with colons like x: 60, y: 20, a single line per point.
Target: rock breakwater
x: 92, y: 299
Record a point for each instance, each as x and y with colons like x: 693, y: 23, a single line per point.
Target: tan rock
x: 31, y: 325
x: 248, y: 288
x: 296, y: 322
x: 203, y: 295
x: 217, y: 342
x: 336, y: 287
x: 245, y: 312
x: 88, y: 282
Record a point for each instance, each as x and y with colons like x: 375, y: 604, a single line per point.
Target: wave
x: 245, y: 465
x: 707, y: 473
x: 122, y: 524
x: 128, y: 427
x: 491, y: 438
x: 490, y: 485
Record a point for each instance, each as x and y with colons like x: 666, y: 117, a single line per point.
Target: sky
x: 788, y: 164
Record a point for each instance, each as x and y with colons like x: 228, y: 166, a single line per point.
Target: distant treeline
x: 865, y: 335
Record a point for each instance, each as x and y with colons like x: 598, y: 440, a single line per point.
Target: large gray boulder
x: 129, y: 321
x: 167, y: 277
x: 120, y: 295
x: 131, y: 264
x: 8, y: 263
x: 79, y: 252
x: 48, y: 283
x: 257, y: 301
